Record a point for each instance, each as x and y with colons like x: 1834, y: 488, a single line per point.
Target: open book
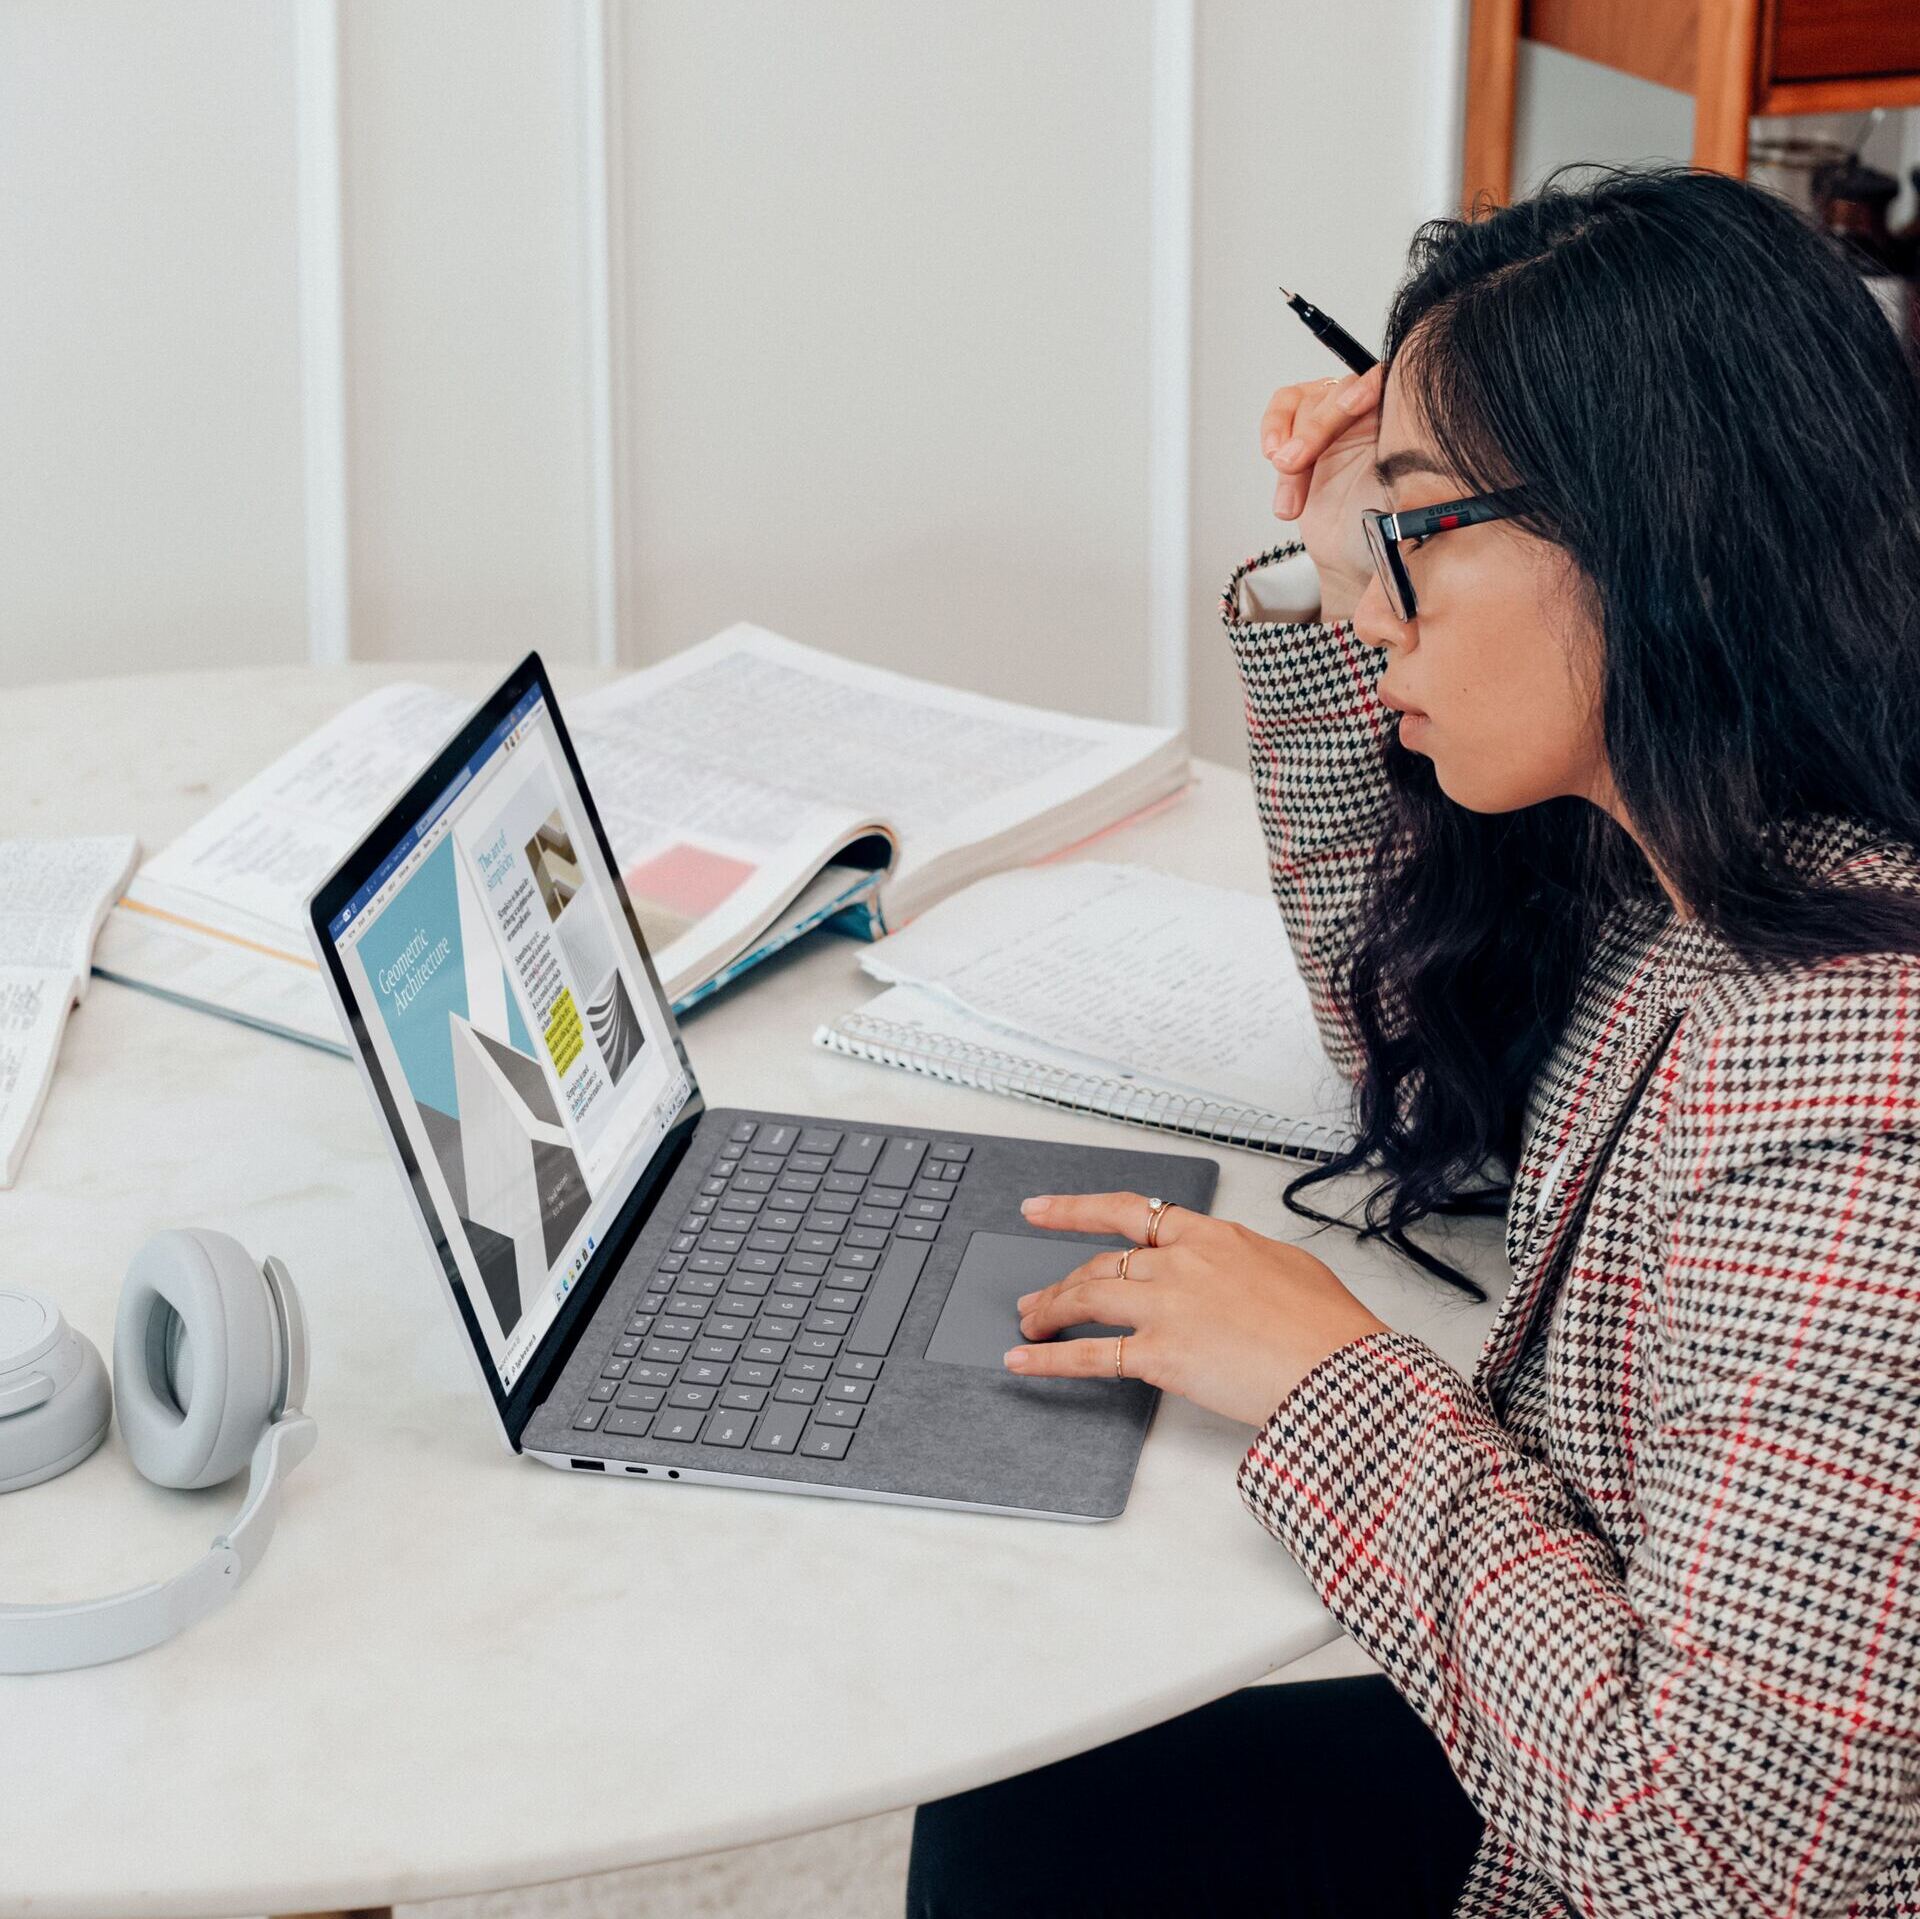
x: 53, y: 896
x: 1112, y: 990
x: 752, y: 788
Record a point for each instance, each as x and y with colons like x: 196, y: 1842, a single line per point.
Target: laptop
x: 655, y: 1288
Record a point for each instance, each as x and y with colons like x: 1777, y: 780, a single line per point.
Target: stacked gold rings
x: 1156, y: 1211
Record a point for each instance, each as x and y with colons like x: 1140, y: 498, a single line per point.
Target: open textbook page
x: 53, y: 896
x: 1113, y: 989
x: 751, y: 788
x: 720, y: 871
x: 967, y: 784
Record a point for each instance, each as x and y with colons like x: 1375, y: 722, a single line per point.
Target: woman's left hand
x: 1220, y: 1315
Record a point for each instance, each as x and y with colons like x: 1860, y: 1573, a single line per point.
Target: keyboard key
x: 797, y: 1285
x: 858, y: 1366
x: 888, y: 1198
x: 817, y: 1345
x: 718, y: 1243
x: 678, y: 1328
x: 887, y: 1300
x: 776, y: 1220
x: 780, y: 1306
x: 855, y: 1391
x: 614, y: 1369
x: 677, y: 1423
x: 833, y: 1324
x: 641, y: 1324
x: 858, y: 1152
x: 918, y: 1229
x: 712, y: 1262
x: 856, y: 1259
x: 694, y: 1222
x: 759, y: 1262
x: 823, y: 1223
x: 819, y: 1139
x: 770, y: 1242
x: 589, y: 1417
x: 672, y: 1351
x: 763, y: 1162
x: 833, y: 1203
x: 752, y: 1183
x: 699, y: 1283
x: 648, y: 1372
x: 752, y: 1372
x: 807, y: 1163
x: 641, y: 1399
x: 930, y: 1190
x: 804, y: 1263
x: 938, y: 1172
x: 799, y: 1183
x: 953, y: 1150
x: 744, y: 1399
x: 604, y: 1389
x: 727, y: 1428
x: 682, y: 1309
x: 748, y: 1203
x: 671, y: 1262
x: 874, y: 1238
x: 778, y: 1430
x: 703, y: 1372
x: 699, y: 1398
x: 798, y: 1392
x: 834, y: 1412
x: 713, y: 1186
x: 815, y: 1243
x: 763, y: 1352
x: 776, y: 1139
x: 899, y: 1164
x: 716, y: 1352
x: 874, y: 1219
x: 626, y: 1346
x: 826, y: 1442
x: 741, y: 1131
x: 837, y: 1301
x: 628, y: 1425
x: 843, y: 1183
x: 727, y: 1326
x: 806, y: 1366
x: 766, y: 1327
x: 729, y: 1222
x: 684, y: 1243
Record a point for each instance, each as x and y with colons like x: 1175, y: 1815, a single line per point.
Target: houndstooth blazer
x: 1651, y: 1575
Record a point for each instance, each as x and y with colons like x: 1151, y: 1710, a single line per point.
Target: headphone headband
x: 90, y: 1632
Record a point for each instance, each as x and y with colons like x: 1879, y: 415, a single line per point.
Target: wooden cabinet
x: 1736, y: 57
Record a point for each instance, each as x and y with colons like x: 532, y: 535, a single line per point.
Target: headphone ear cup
x: 54, y: 1404
x: 196, y: 1358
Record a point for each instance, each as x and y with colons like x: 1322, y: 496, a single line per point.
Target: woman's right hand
x: 1320, y: 438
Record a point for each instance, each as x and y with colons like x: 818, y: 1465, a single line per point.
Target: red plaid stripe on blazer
x: 1652, y: 1575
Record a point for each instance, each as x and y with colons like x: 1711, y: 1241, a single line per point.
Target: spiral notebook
x: 1111, y: 990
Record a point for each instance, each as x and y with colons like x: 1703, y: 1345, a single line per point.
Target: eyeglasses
x: 1386, y: 531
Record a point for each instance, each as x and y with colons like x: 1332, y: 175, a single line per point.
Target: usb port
x: 588, y: 1465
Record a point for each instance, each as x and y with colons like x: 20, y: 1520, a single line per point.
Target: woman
x: 1593, y: 818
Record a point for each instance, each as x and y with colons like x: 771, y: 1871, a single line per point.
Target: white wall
x: 932, y: 330
x: 150, y: 489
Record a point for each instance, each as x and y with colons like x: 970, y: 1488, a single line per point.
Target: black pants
x: 1323, y: 1798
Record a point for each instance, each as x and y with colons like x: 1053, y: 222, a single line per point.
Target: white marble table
x: 456, y: 1671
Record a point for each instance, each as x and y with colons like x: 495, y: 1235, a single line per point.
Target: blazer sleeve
x: 1316, y: 732
x: 1730, y: 1721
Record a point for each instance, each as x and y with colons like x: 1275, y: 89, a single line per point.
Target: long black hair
x: 1714, y: 422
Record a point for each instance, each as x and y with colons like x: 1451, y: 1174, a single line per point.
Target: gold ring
x: 1119, y: 1354
x: 1156, y: 1211
x: 1125, y: 1257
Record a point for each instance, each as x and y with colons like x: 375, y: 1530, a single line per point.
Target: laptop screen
x: 517, y: 1039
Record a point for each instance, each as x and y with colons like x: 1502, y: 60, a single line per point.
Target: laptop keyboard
x: 765, y: 1324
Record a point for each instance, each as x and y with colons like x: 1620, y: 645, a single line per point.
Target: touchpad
x: 980, y: 1320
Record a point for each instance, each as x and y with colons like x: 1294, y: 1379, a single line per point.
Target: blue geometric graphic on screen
x: 428, y: 904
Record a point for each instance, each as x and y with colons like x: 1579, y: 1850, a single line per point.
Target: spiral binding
x: 1193, y: 1115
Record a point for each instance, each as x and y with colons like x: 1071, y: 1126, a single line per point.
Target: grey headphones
x: 210, y: 1375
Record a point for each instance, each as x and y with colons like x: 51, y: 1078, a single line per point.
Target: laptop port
x: 588, y: 1465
